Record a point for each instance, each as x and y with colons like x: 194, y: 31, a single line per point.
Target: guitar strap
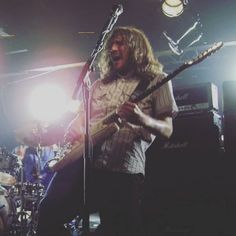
x: 141, y: 87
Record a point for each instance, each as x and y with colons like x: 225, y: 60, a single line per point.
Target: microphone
x: 117, y: 9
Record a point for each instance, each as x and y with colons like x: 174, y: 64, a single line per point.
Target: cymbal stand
x: 22, y: 214
x: 33, y: 219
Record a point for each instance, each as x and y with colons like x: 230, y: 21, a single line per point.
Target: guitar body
x: 71, y: 153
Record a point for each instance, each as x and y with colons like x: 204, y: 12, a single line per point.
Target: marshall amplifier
x: 193, y: 134
x: 229, y: 120
x: 186, y: 162
x: 197, y: 98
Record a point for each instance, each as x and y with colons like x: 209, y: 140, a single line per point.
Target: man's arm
x: 75, y: 130
x: 133, y: 114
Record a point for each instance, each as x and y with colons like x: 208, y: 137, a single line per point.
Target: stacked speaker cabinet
x: 195, y: 140
x: 229, y: 111
x: 179, y: 170
x: 189, y: 154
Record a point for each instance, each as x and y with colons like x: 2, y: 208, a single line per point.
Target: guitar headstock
x: 203, y: 55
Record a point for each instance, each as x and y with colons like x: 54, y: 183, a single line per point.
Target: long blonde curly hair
x: 141, y: 54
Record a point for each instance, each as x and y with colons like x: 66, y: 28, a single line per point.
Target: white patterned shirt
x: 124, y: 151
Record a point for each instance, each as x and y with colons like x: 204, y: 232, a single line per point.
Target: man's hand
x: 131, y: 113
x: 74, y: 131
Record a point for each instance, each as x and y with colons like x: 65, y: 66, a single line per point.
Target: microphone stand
x: 84, y: 83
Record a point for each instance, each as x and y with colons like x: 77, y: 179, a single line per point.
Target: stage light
x: 48, y: 102
x: 173, y: 8
x: 73, y: 106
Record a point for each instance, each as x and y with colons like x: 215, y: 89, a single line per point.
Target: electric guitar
x: 111, y: 123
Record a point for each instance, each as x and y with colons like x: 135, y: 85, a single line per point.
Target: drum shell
x: 9, y: 163
x: 27, y: 195
x: 7, y: 210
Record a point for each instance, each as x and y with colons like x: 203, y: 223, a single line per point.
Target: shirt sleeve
x: 164, y: 101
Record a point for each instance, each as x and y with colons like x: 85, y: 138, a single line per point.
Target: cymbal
x: 28, y: 134
x: 7, y: 179
x: 35, y: 134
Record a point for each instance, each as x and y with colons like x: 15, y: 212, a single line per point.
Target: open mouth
x: 115, y: 57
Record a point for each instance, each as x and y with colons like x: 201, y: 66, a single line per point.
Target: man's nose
x: 114, y: 47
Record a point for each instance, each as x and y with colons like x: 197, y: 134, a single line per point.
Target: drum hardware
x: 7, y: 211
x: 18, y: 206
x: 34, y: 133
x: 9, y: 167
x: 26, y: 197
x: 7, y: 179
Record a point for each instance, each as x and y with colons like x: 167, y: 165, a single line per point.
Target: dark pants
x: 115, y: 196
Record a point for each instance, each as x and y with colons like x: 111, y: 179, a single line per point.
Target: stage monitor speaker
x: 229, y: 121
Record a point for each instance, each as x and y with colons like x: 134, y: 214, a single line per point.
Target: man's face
x: 119, y: 53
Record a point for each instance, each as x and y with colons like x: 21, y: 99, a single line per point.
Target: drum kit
x: 19, y: 200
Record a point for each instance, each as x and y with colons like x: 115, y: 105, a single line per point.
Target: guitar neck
x: 159, y: 84
x: 203, y: 55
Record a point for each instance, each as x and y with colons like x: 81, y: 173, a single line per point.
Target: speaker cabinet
x: 229, y: 120
x: 196, y: 98
x: 191, y: 134
x: 182, y: 191
x: 187, y: 160
x: 230, y: 132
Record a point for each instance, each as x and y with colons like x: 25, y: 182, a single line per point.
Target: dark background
x: 61, y: 32
x: 190, y: 191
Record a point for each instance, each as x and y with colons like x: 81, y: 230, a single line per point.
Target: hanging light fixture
x: 173, y: 8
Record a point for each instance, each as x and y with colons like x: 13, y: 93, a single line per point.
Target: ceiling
x: 45, y: 33
x: 48, y: 32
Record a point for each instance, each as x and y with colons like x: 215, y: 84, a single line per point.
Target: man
x: 119, y: 162
x: 47, y: 153
x: 31, y: 165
